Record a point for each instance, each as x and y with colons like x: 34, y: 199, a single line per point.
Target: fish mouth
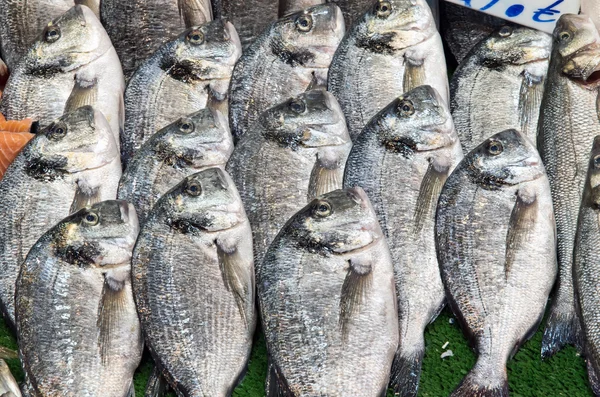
x: 584, y: 66
x: 360, y: 249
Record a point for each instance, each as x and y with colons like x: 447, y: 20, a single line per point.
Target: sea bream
x: 328, y: 302
x: 71, y: 164
x: 510, y: 64
x: 496, y: 246
x: 193, y: 280
x: 250, y: 17
x: 72, y: 63
x: 567, y: 126
x: 407, y: 151
x: 187, y: 74
x: 292, y: 55
x: 78, y: 330
x: 295, y: 152
x: 391, y: 49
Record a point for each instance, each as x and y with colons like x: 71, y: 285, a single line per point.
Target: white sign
x: 538, y: 14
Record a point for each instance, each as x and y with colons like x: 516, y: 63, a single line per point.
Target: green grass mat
x: 561, y: 376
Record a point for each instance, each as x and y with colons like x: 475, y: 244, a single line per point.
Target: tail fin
x: 483, y: 381
x: 561, y: 329
x: 593, y: 378
x: 406, y: 372
x: 157, y: 385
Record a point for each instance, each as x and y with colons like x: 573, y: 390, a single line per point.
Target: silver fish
x: 393, y: 48
x: 71, y: 64
x: 585, y: 265
x: 592, y: 9
x: 193, y: 280
x: 290, y: 6
x: 8, y: 384
x: 328, y: 303
x: 295, y: 152
x: 71, y: 164
x: 289, y: 57
x: 138, y: 28
x: 250, y: 17
x: 408, y: 150
x: 185, y: 75
x: 197, y: 141
x: 496, y: 246
x: 510, y: 64
x: 78, y: 330
x: 568, y: 123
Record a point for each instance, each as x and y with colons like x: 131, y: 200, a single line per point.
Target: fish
x: 392, y: 48
x: 585, y: 268
x: 462, y: 28
x: 11, y: 144
x: 511, y: 64
x: 8, y: 384
x: 71, y: 164
x: 192, y: 143
x: 193, y: 279
x: 295, y: 152
x: 496, y: 246
x: 78, y: 330
x: 408, y: 150
x: 567, y: 126
x: 3, y: 76
x: 138, y: 28
x: 328, y: 301
x: 591, y: 8
x: 187, y: 74
x: 250, y: 17
x: 290, y: 6
x: 291, y: 56
x: 72, y: 62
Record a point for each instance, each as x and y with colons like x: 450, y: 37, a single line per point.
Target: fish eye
x: 406, y: 108
x: 304, y: 23
x: 495, y: 148
x: 195, y: 37
x: 193, y: 189
x: 322, y: 209
x: 57, y: 132
x: 597, y: 161
x: 186, y: 125
x: 383, y: 9
x: 564, y: 36
x: 51, y: 34
x: 297, y: 106
x: 505, y: 31
x: 91, y: 219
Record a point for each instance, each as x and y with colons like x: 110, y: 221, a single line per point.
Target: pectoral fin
x: 431, y: 187
x: 522, y: 218
x: 325, y: 176
x: 276, y: 384
x: 84, y: 197
x: 356, y: 285
x: 112, y: 304
x: 530, y: 99
x: 237, y: 278
x: 84, y: 93
x: 414, y: 74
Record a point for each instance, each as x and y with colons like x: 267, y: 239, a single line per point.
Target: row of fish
x: 337, y: 203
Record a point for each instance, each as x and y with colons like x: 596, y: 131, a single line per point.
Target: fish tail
x: 157, y: 386
x: 406, y: 372
x: 483, y: 381
x: 593, y: 377
x: 561, y: 329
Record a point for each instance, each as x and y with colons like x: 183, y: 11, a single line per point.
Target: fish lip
x: 583, y: 72
x: 364, y: 248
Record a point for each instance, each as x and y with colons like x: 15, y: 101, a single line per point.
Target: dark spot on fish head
x: 334, y: 223
x: 507, y: 158
x: 100, y: 235
x: 593, y: 200
x: 203, y: 202
x: 46, y: 169
x: 513, y: 45
x: 377, y: 43
x: 419, y: 120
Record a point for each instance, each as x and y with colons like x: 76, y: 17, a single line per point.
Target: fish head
x: 311, y: 119
x: 74, y: 39
x: 203, y: 52
x: 77, y: 141
x: 578, y: 43
x: 308, y: 38
x: 505, y: 159
x: 593, y: 177
x: 516, y: 45
x: 391, y: 25
x: 197, y: 140
x: 99, y: 236
x: 336, y: 222
x: 206, y: 201
x: 418, y: 120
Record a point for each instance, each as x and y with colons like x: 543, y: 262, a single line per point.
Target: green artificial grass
x: 563, y: 375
